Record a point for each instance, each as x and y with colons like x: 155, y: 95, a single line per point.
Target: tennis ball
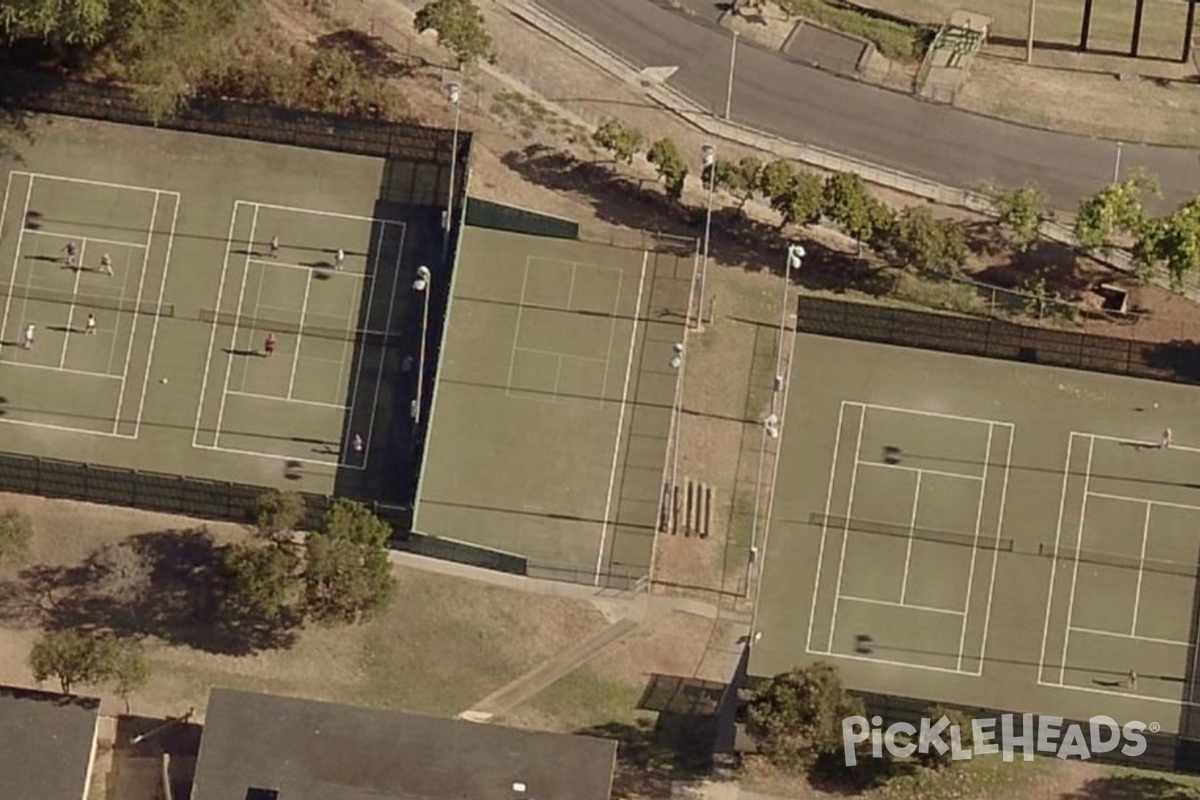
x: 164, y: 380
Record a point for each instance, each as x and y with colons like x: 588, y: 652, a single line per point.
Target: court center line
x: 1118, y: 635
x: 277, y: 399
x: 612, y: 473
x: 62, y: 357
x: 894, y: 604
x: 136, y: 306
x: 236, y: 320
x: 116, y: 327
x: 162, y: 288
x: 1140, y: 500
x: 912, y: 524
x: 96, y: 240
x: 212, y: 336
x: 837, y: 440
x: 837, y: 593
x: 987, y: 460
x: 1137, y: 597
x: 512, y: 361
x: 383, y: 348
x: 1087, y: 478
x: 561, y: 355
x: 612, y: 334
x: 299, y: 335
x: 1062, y: 505
x: 987, y: 617
x: 904, y: 468
x: 12, y: 279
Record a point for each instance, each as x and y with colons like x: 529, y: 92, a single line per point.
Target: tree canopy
x: 797, y: 717
x: 75, y: 658
x: 619, y: 139
x: 16, y: 533
x: 1022, y: 212
x: 460, y: 28
x: 347, y: 576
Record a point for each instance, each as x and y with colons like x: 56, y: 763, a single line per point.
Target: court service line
x: 1137, y: 597
x: 323, y: 462
x: 1125, y: 695
x: 329, y: 273
x: 1117, y: 635
x: 906, y: 468
x: 1149, y: 445
x: 162, y: 288
x: 112, y: 347
x: 889, y: 663
x: 837, y: 592
x: 912, y: 524
x: 612, y: 473
x: 137, y: 305
x: 49, y: 177
x: 276, y: 398
x: 919, y: 412
x: 62, y: 356
x: 236, y: 322
x: 49, y: 368
x: 894, y: 604
x: 299, y: 335
x: 987, y: 617
x: 212, y: 337
x: 987, y: 460
x: 64, y: 428
x: 320, y: 213
x: 1087, y: 478
x: 1062, y: 505
x: 12, y: 279
x: 356, y: 381
x: 114, y: 242
x: 562, y: 355
x: 382, y: 351
x: 837, y: 440
x: 1139, y: 500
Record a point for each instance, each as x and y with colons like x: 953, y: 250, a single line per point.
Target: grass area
x: 741, y: 526
x: 898, y: 41
x: 584, y: 699
x: 530, y: 116
x: 1120, y: 782
x: 942, y: 295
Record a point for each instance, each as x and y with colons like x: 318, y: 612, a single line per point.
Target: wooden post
x: 1085, y: 28
x: 1136, y: 40
x: 1188, y: 31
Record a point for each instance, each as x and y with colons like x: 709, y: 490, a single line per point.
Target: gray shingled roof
x: 45, y: 744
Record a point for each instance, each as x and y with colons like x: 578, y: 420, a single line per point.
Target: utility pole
x: 729, y: 86
x: 1029, y: 40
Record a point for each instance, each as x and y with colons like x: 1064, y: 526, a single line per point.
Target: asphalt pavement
x: 804, y: 104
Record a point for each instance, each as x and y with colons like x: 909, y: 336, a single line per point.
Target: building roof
x: 298, y: 749
x: 45, y: 744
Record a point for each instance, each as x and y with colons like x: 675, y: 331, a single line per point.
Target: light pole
x: 1117, y: 164
x: 424, y: 285
x: 795, y: 256
x: 709, y: 155
x: 454, y: 95
x: 677, y: 359
x: 729, y: 86
x: 1029, y: 40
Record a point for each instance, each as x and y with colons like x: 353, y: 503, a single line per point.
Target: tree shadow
x: 167, y: 584
x: 651, y: 754
x: 372, y: 54
x: 1055, y: 263
x: 1133, y: 787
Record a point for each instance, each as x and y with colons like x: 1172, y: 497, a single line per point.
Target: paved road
x: 803, y: 104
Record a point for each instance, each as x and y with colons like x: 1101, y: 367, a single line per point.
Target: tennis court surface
x: 553, y: 406
x: 986, y: 534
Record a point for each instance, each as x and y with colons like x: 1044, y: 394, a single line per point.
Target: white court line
x: 320, y: 213
x: 329, y: 272
x: 612, y: 474
x: 987, y: 617
x: 1137, y: 597
x: 357, y: 380
x: 237, y: 393
x: 212, y: 337
x: 1140, y: 500
x: 562, y: 355
x: 137, y: 305
x: 48, y: 177
x: 1062, y: 504
x: 837, y: 440
x: 137, y: 426
x: 236, y: 321
x: 912, y: 524
x: 1116, y: 635
x: 1127, y: 695
x: 987, y: 460
x: 894, y: 604
x: 276, y: 456
x: 512, y: 361
x: 937, y: 414
x: 1087, y: 477
x: 904, y: 468
x: 4, y: 203
x: 112, y: 348
x: 383, y: 348
x: 300, y: 336
x: 12, y: 279
x: 1145, y: 443
x: 62, y: 358
x: 889, y: 663
x: 64, y: 428
x: 69, y: 236
x: 49, y: 368
x: 612, y: 331
x: 837, y: 592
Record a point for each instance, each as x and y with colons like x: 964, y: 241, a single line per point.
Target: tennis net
x: 88, y: 301
x: 980, y: 542
x: 274, y: 325
x: 1182, y: 568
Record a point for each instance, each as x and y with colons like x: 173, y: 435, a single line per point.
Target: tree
x: 926, y: 243
x: 803, y: 201
x: 797, y: 717
x: 128, y: 669
x: 1022, y: 212
x: 619, y: 139
x: 1114, y: 211
x: 775, y: 180
x: 278, y: 513
x: 848, y: 203
x: 16, y: 533
x: 935, y: 760
x: 460, y: 28
x: 73, y: 22
x: 72, y: 658
x: 672, y: 169
x: 261, y: 580
x: 740, y: 179
x: 347, y: 576
x: 1173, y: 240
